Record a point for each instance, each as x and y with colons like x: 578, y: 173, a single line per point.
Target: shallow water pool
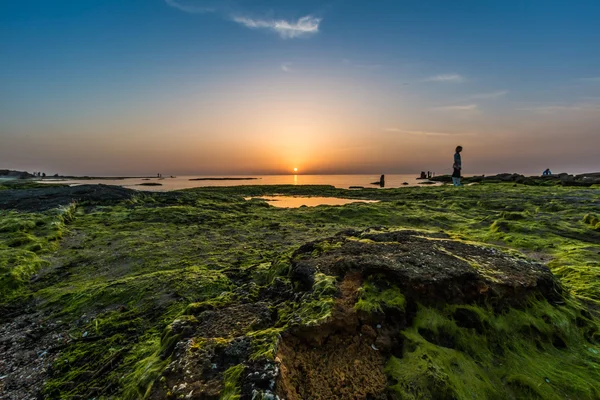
x: 299, y: 201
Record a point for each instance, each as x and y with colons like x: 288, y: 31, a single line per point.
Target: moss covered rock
x: 516, y: 336
x: 126, y: 293
x: 591, y: 219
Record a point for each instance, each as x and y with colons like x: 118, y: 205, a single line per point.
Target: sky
x: 137, y: 87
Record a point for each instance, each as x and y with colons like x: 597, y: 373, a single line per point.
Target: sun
x: 295, y: 169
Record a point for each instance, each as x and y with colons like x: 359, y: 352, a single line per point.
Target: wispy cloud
x: 450, y: 78
x: 423, y: 133
x: 286, y: 67
x: 487, y: 96
x: 467, y: 107
x: 230, y: 9
x: 304, y: 26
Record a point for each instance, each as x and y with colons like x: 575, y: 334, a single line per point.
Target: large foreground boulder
x: 382, y: 314
x: 430, y: 268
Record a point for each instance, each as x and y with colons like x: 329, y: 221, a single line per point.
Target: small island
x: 150, y: 184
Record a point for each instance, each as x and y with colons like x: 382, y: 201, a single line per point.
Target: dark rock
x: 466, y: 318
x: 589, y: 175
x: 184, y: 327
x: 429, y: 269
x: 440, y: 338
x: 442, y: 178
x: 304, y: 275
x: 7, y: 173
x: 41, y: 199
x: 564, y: 179
x: 368, y: 331
x: 381, y: 181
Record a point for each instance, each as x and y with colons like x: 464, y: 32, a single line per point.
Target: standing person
x: 457, y: 167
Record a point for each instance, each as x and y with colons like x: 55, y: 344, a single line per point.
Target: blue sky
x: 125, y: 87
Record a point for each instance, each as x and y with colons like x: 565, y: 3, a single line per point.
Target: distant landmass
x: 10, y: 174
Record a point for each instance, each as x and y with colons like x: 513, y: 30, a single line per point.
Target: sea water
x: 185, y: 182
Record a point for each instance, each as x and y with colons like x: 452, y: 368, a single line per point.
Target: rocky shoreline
x: 564, y: 179
x: 491, y: 291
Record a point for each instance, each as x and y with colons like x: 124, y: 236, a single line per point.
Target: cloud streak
x: 286, y: 67
x: 304, y: 26
x: 287, y: 29
x: 449, y: 78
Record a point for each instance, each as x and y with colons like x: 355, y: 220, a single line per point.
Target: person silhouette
x: 457, y: 166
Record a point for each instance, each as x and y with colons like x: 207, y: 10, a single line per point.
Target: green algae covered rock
x: 200, y: 293
x: 591, y: 219
x: 474, y: 322
x: 405, y: 313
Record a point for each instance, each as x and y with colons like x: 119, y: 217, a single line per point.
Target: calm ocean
x: 184, y: 182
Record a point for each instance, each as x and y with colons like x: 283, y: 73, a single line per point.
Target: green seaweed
x: 123, y: 272
x: 379, y: 296
x: 465, y: 352
x: 25, y: 238
x: 231, y: 377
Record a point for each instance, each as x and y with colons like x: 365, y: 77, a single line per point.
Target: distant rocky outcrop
x: 381, y: 181
x: 563, y: 179
x: 11, y: 174
x: 150, y: 184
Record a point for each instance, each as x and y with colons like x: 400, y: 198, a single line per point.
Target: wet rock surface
x: 338, y: 359
x: 430, y: 267
x: 234, y: 321
x: 344, y: 354
x: 351, y: 369
x: 29, y: 344
x: 200, y: 294
x: 41, y: 199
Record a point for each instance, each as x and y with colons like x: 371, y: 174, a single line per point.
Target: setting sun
x: 295, y: 169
